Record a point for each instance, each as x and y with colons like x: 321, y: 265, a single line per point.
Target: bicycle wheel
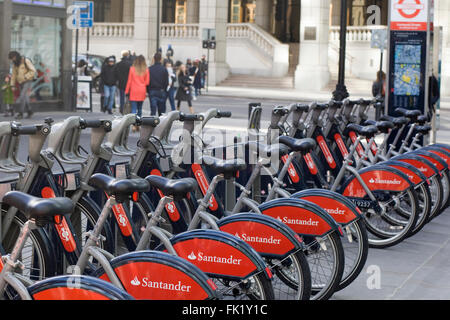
x: 424, y: 203
x: 84, y: 218
x: 326, y: 261
x: 388, y: 228
x: 256, y: 287
x: 37, y: 255
x: 437, y: 196
x: 356, y: 248
x: 292, y: 279
x: 445, y: 180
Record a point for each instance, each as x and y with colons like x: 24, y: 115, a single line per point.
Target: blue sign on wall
x: 84, y: 14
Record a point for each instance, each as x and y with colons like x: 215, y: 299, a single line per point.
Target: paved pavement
x: 418, y: 268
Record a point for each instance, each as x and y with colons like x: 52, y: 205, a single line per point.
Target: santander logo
x: 257, y: 239
x: 335, y: 211
x: 147, y: 283
x: 201, y: 257
x: 301, y: 222
x: 380, y: 181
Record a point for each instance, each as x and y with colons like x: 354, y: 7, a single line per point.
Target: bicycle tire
x: 43, y: 250
x: 91, y: 213
x: 323, y: 291
x: 384, y: 239
x: 353, y: 269
x: 299, y: 260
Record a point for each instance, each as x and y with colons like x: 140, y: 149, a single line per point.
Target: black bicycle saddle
x: 42, y: 210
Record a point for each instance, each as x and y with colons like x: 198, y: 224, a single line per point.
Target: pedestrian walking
x: 23, y: 74
x: 122, y: 72
x: 138, y: 80
x: 172, y: 89
x: 157, y: 89
x: 184, y: 88
x: 203, y: 71
x: 8, y: 96
x: 109, y: 78
x: 379, y: 86
x: 196, y: 78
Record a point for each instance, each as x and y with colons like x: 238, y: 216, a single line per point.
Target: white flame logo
x: 192, y: 256
x: 135, y: 281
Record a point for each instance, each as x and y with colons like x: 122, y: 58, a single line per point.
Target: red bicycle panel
x: 215, y: 257
x: 341, y: 145
x: 291, y: 170
x: 359, y: 148
x: 340, y: 212
x: 326, y: 152
x: 300, y: 220
x: 263, y: 238
x: 61, y: 225
x: 122, y: 219
x: 171, y: 208
x: 376, y: 180
x: 155, y: 281
x: 437, y: 164
x: 204, y: 185
x: 310, y: 163
x: 441, y: 155
x: 65, y: 293
x: 422, y: 167
x: 411, y: 174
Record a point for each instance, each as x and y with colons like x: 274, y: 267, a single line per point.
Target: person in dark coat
x: 109, y: 78
x: 433, y: 95
x: 122, y: 72
x: 379, y: 86
x: 184, y: 88
x: 159, y: 83
x: 196, y: 76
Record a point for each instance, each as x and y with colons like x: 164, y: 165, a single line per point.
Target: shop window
x: 39, y: 39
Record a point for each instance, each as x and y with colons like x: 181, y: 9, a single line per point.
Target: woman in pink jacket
x: 138, y: 80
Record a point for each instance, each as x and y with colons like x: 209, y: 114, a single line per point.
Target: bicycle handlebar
x: 223, y: 114
x: 95, y: 124
x: 147, y: 121
x: 17, y: 129
x: 280, y: 110
x: 190, y: 117
x: 321, y: 106
x: 300, y: 107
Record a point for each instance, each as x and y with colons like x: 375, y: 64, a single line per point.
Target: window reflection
x: 39, y: 39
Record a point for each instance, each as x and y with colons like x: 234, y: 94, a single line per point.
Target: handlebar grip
x: 91, y: 123
x: 149, y: 121
x: 190, y: 117
x: 280, y: 110
x: 223, y: 114
x: 301, y: 107
x: 321, y: 106
x: 335, y: 103
x: 17, y: 129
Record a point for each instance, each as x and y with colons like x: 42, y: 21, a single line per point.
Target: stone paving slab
x: 416, y: 269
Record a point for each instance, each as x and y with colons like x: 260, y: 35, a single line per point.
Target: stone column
x: 128, y: 11
x: 192, y: 8
x: 312, y: 73
x: 263, y: 13
x: 145, y: 22
x: 214, y: 15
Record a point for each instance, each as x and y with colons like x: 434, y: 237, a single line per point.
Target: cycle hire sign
x: 409, y: 15
x: 408, y: 55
